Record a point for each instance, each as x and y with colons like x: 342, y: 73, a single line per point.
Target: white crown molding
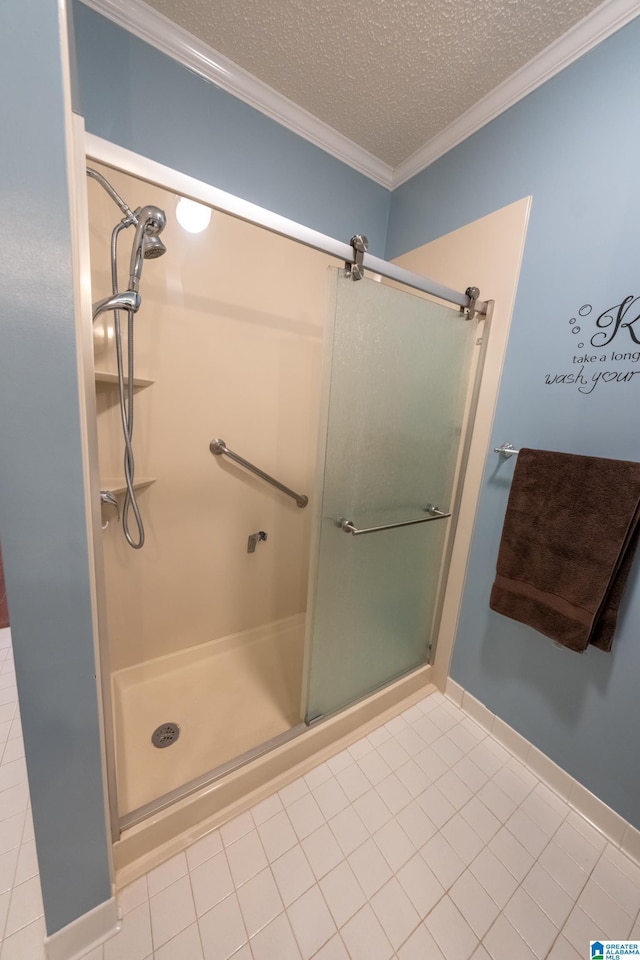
x: 156, y: 29
x: 601, y: 23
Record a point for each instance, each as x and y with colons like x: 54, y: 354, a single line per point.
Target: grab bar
x: 349, y: 527
x: 219, y: 447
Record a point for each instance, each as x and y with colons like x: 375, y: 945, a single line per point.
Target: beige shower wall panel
x: 486, y: 253
x: 230, y: 330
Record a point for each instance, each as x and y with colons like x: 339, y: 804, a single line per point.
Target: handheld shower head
x: 151, y: 221
x: 152, y: 247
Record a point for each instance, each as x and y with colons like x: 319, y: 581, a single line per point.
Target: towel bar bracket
x: 506, y: 450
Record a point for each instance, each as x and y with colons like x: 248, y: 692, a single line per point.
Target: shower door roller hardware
x: 349, y: 526
x: 355, y: 270
x: 469, y: 311
x: 254, y: 538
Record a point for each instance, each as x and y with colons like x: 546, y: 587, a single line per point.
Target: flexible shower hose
x: 126, y: 404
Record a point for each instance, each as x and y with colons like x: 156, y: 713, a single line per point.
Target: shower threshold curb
x: 170, y: 831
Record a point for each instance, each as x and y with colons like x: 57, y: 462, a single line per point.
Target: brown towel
x: 569, y: 536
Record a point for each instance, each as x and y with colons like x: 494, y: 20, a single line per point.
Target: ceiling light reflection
x: 192, y: 217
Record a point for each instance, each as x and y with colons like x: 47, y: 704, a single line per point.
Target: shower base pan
x: 149, y: 842
x: 206, y: 706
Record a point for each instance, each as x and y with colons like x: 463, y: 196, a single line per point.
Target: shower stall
x: 255, y: 609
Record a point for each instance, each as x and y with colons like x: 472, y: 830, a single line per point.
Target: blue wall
x: 42, y: 507
x: 573, y: 145
x: 135, y: 96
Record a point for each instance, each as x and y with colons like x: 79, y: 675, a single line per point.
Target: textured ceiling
x: 388, y: 74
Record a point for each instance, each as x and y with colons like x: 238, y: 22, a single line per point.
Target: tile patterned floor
x: 426, y: 839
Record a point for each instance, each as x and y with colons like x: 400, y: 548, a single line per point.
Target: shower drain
x: 165, y: 735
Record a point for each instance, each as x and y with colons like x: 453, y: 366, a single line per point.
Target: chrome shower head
x: 151, y: 221
x: 152, y: 247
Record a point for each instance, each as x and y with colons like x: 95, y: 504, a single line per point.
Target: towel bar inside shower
x: 349, y: 526
x: 219, y: 447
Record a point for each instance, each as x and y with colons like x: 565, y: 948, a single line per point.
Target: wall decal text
x: 616, y: 323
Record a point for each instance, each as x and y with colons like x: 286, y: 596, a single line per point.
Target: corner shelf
x: 116, y: 485
x: 112, y: 379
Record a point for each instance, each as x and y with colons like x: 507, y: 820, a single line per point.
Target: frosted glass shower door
x: 399, y: 381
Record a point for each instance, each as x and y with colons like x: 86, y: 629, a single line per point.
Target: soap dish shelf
x: 111, y: 379
x: 117, y: 485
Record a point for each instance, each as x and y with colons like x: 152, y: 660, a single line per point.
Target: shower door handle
x: 349, y: 526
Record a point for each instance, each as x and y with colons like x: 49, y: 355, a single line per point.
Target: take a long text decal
x: 607, y: 347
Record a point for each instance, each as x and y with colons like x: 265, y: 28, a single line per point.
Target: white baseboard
x: 615, y: 828
x: 84, y: 934
x: 454, y: 691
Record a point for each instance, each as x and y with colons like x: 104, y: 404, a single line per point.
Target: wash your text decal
x: 607, y: 351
